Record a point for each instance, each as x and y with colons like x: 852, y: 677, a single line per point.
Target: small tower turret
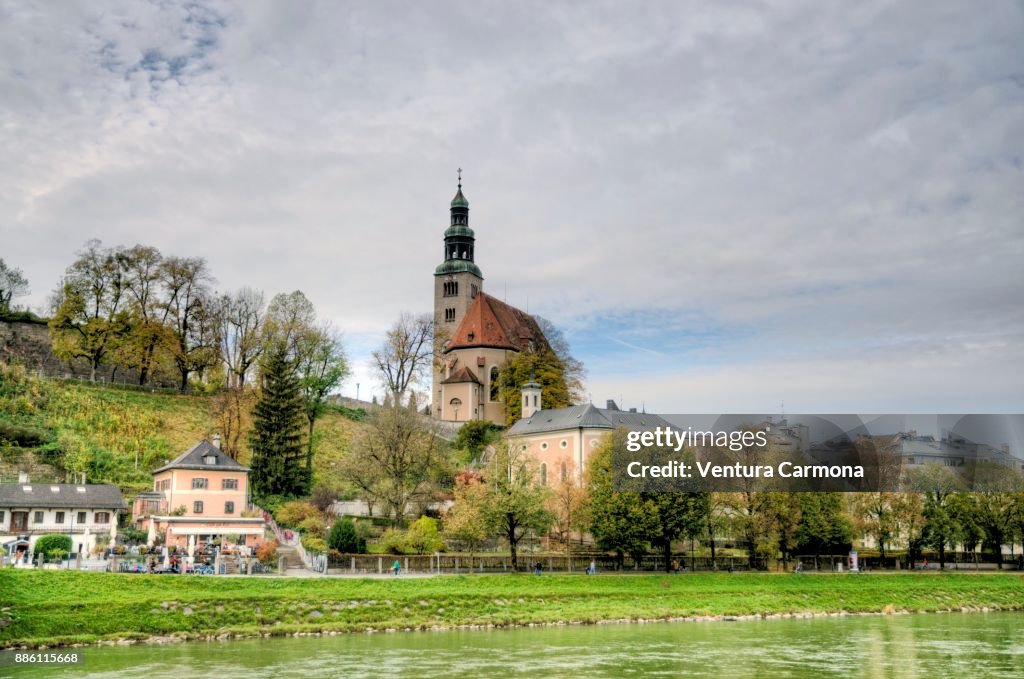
x: 531, y: 398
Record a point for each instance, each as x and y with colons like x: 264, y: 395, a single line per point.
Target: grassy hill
x: 51, y: 427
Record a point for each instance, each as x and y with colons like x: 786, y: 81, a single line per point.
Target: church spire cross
x: 460, y: 177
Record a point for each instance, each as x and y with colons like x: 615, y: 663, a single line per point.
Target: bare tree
x: 193, y: 314
x: 290, y: 317
x: 241, y: 333
x: 407, y: 355
x: 12, y: 284
x: 394, y: 457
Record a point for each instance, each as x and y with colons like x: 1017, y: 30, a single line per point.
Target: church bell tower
x: 457, y: 281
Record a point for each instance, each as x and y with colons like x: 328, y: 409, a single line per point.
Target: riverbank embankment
x: 51, y: 609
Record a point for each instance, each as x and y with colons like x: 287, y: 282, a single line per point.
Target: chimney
x: 632, y: 410
x: 215, y: 440
x: 22, y: 477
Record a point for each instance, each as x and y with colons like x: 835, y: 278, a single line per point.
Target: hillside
x: 52, y: 427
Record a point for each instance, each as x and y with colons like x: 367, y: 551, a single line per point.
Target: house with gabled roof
x: 561, y: 440
x: 87, y: 513
x: 198, y: 497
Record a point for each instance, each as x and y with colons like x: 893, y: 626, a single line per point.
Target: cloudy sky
x: 726, y: 206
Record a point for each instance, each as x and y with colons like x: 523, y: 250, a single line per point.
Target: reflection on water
x: 899, y: 646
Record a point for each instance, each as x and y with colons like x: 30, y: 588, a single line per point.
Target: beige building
x: 562, y: 439
x: 475, y: 333
x: 198, y: 497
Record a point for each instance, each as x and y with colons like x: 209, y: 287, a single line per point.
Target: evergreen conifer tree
x: 278, y: 457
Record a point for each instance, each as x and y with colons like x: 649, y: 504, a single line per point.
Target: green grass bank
x: 63, y: 608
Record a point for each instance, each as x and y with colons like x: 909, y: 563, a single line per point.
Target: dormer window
x: 210, y: 459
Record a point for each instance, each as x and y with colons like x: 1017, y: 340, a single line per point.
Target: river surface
x: 930, y: 645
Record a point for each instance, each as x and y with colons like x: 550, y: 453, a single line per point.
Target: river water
x: 930, y: 645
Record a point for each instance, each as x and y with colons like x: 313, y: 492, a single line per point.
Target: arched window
x: 543, y: 474
x: 564, y: 473
x: 494, y: 382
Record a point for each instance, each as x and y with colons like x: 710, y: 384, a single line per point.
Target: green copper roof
x: 460, y: 200
x: 457, y: 266
x: 459, y: 230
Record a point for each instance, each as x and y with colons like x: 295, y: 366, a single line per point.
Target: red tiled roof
x: 490, y: 322
x: 463, y: 374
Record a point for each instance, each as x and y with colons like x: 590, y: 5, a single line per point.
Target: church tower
x: 457, y: 282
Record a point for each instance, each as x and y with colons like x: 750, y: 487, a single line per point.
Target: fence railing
x: 368, y: 564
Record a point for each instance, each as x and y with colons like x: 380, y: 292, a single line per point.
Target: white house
x: 82, y: 512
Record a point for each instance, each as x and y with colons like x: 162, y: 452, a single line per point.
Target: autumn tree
x: 569, y: 504
x: 540, y: 365
x: 193, y: 316
x: 573, y: 372
x: 465, y: 523
x: 515, y: 502
x: 149, y: 335
x: 876, y: 515
x: 12, y: 284
x: 89, y: 315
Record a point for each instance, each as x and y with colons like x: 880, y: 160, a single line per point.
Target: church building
x: 476, y: 333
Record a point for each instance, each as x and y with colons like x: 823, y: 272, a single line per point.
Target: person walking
x: 537, y: 568
x: 396, y: 567
x: 592, y: 568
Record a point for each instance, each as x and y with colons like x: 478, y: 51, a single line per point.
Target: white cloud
x: 809, y: 181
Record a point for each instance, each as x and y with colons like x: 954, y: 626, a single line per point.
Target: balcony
x: 59, y: 528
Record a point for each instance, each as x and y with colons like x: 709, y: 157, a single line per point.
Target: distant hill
x: 51, y: 428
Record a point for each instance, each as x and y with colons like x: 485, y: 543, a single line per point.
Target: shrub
x: 22, y: 436
x: 132, y: 536
x: 314, y: 543
x: 393, y: 541
x: 345, y: 538
x: 292, y: 514
x: 267, y: 551
x: 50, y: 544
x: 313, y: 526
x: 423, y: 536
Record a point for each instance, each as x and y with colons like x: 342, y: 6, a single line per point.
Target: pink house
x: 199, y: 496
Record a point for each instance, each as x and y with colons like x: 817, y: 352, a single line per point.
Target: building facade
x: 87, y: 513
x: 562, y: 440
x: 475, y: 333
x: 198, y: 497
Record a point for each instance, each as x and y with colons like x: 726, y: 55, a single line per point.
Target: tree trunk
x: 512, y: 546
x: 184, y: 379
x: 666, y: 550
x: 309, y: 459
